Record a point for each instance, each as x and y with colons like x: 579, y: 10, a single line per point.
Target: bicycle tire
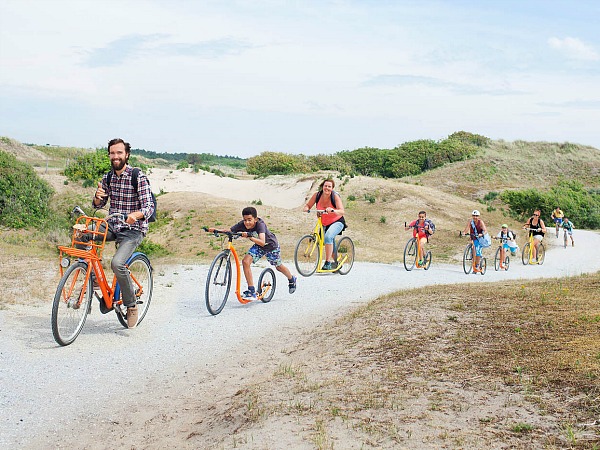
x: 345, y: 253
x: 468, y: 259
x: 410, y: 254
x: 483, y: 264
x: 71, y: 304
x: 497, y: 259
x: 525, y: 254
x: 141, y: 272
x: 566, y: 240
x: 267, y: 283
x: 541, y: 254
x: 427, y: 260
x: 506, y: 262
x: 306, y: 255
x: 218, y: 283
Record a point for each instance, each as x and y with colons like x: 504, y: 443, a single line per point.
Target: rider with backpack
x: 136, y: 203
x: 329, y: 201
x: 422, y: 228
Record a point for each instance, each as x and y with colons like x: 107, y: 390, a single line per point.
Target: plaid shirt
x: 123, y: 199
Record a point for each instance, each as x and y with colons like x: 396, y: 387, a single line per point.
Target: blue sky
x: 242, y: 77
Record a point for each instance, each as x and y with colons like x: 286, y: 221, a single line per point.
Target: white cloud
x: 574, y: 48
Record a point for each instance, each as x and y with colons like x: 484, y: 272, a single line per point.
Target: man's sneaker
x: 132, y: 316
x: 326, y: 266
x: 292, y: 285
x: 247, y: 295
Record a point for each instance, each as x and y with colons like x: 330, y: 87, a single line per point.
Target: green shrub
x: 90, y: 166
x: 274, y: 163
x: 152, y: 249
x: 581, y: 206
x: 24, y: 197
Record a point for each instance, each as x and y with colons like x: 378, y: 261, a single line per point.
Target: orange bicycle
x: 413, y: 256
x: 73, y: 298
x: 469, y: 264
x: 218, y: 280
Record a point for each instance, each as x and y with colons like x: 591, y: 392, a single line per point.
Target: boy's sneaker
x: 249, y: 295
x: 292, y: 285
x: 132, y: 316
x: 326, y: 266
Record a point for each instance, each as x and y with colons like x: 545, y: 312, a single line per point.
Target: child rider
x: 264, y: 244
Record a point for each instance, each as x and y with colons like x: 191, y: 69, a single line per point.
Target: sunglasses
x: 536, y: 215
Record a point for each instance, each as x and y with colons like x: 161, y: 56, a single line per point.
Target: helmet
x: 504, y: 225
x: 475, y: 213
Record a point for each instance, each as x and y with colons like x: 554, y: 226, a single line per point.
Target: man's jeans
x: 128, y: 241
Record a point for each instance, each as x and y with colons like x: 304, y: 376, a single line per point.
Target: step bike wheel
x: 506, y: 262
x: 427, y: 260
x: 468, y: 259
x: 483, y: 263
x: 345, y: 255
x: 541, y: 254
x: 557, y: 232
x: 218, y: 283
x: 306, y: 255
x: 565, y: 240
x: 497, y: 259
x: 71, y: 303
x: 266, y: 285
x: 525, y: 254
x: 140, y: 271
x: 410, y: 254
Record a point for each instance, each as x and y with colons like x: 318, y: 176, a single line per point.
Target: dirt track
x: 121, y: 388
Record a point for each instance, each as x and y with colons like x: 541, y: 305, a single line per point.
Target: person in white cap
x: 476, y: 228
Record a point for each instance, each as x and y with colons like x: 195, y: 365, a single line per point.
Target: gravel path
x: 46, y: 389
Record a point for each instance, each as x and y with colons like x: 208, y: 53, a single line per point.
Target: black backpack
x: 134, y: 183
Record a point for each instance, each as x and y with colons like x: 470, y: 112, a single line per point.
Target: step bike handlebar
x: 533, y: 229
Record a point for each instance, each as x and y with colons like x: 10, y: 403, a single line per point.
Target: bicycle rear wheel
x: 427, y: 260
x: 306, y: 255
x: 483, y: 263
x: 541, y: 254
x: 410, y: 254
x: 497, y: 259
x: 468, y: 259
x: 266, y: 285
x: 345, y: 254
x: 525, y: 254
x: 218, y: 283
x: 140, y: 271
x: 71, y: 303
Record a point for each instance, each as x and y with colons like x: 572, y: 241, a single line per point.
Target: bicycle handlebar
x: 322, y: 211
x: 229, y: 234
x: 533, y: 229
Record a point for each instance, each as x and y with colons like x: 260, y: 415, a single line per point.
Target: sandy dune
x: 279, y: 191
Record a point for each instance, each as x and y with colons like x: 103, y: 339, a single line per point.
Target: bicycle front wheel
x: 306, y: 255
x: 565, y: 239
x: 345, y: 255
x: 218, y: 283
x: 410, y: 254
x: 71, y: 303
x: 468, y: 259
x: 541, y: 254
x: 526, y: 254
x: 266, y: 285
x: 506, y: 262
x: 497, y: 260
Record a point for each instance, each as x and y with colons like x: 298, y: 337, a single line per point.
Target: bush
x: 90, y: 166
x: 581, y: 206
x: 273, y: 163
x: 24, y: 197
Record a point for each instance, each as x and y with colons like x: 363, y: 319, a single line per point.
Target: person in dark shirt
x: 264, y: 244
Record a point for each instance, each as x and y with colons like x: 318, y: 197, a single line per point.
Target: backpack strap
x: 134, y: 178
x: 320, y: 194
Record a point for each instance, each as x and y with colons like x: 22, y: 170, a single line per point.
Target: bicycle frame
x: 319, y: 234
x: 482, y: 259
x: 230, y: 249
x: 420, y: 256
x: 92, y: 255
x: 531, y: 243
